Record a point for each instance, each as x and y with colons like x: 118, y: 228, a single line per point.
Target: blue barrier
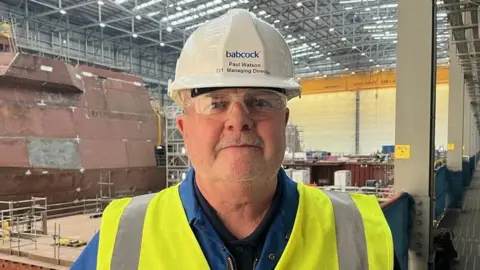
x: 457, y: 181
x: 466, y: 173
x: 440, y: 191
x: 454, y: 189
x: 400, y: 214
x: 472, y: 168
x: 468, y: 169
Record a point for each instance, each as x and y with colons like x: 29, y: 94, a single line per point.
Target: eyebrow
x: 213, y: 95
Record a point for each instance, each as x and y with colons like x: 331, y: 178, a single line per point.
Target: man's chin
x: 242, y: 160
x: 240, y: 166
x: 243, y: 177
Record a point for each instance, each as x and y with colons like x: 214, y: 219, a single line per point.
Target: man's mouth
x: 243, y: 146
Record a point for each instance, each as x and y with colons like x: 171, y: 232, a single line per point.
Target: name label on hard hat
x: 245, y: 65
x: 237, y: 54
x: 244, y: 61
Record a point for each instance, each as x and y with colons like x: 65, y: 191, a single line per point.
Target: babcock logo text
x: 237, y: 54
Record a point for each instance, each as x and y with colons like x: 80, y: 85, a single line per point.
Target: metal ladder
x: 13, y: 37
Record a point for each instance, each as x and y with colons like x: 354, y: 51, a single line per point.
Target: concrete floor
x: 79, y: 227
x: 467, y: 229
x: 466, y: 226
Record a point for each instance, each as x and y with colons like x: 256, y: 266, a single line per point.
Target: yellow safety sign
x: 450, y: 146
x: 402, y: 151
x: 5, y: 30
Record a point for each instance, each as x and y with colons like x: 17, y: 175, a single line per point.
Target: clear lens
x: 256, y: 102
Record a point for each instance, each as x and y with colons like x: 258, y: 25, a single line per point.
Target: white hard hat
x: 234, y: 50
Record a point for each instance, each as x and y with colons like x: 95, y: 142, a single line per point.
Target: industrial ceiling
x: 144, y: 37
x: 326, y: 37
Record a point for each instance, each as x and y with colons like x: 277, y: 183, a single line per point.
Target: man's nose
x: 238, y: 118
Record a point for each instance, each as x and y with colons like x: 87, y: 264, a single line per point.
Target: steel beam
x: 455, y: 113
x: 415, y: 120
x: 57, y: 10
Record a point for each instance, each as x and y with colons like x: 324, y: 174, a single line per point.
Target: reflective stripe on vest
x: 126, y: 251
x: 350, y: 233
x: 351, y: 244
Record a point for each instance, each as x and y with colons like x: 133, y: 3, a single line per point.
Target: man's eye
x: 217, y: 105
x: 261, y: 103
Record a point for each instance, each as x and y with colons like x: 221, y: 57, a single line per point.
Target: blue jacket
x: 208, y: 238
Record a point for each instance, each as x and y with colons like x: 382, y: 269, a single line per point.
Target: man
x: 237, y: 209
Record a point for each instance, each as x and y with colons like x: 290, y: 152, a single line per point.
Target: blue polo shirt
x: 213, y: 246
x: 246, y: 251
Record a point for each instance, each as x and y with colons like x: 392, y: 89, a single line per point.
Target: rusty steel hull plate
x: 73, y: 122
x: 35, y: 71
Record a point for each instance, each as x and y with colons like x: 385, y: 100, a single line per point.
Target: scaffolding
x: 105, y: 186
x: 64, y: 46
x: 177, y: 159
x: 22, y: 221
x: 293, y: 138
x: 23, y: 227
x: 389, y: 172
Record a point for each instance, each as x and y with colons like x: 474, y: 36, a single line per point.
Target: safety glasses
x: 258, y: 103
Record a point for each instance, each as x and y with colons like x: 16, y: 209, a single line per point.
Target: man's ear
x: 287, y: 115
x: 181, y: 127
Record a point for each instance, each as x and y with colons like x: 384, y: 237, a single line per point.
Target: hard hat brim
x: 226, y: 80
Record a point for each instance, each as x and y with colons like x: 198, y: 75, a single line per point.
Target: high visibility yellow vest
x: 332, y: 231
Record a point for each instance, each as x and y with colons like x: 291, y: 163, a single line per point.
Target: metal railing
x: 76, y: 207
x: 379, y: 192
x: 22, y: 223
x: 22, y: 220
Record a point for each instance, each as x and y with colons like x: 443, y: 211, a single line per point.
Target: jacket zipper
x: 255, y: 264
x: 230, y: 263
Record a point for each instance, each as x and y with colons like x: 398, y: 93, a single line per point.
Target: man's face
x: 226, y: 143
